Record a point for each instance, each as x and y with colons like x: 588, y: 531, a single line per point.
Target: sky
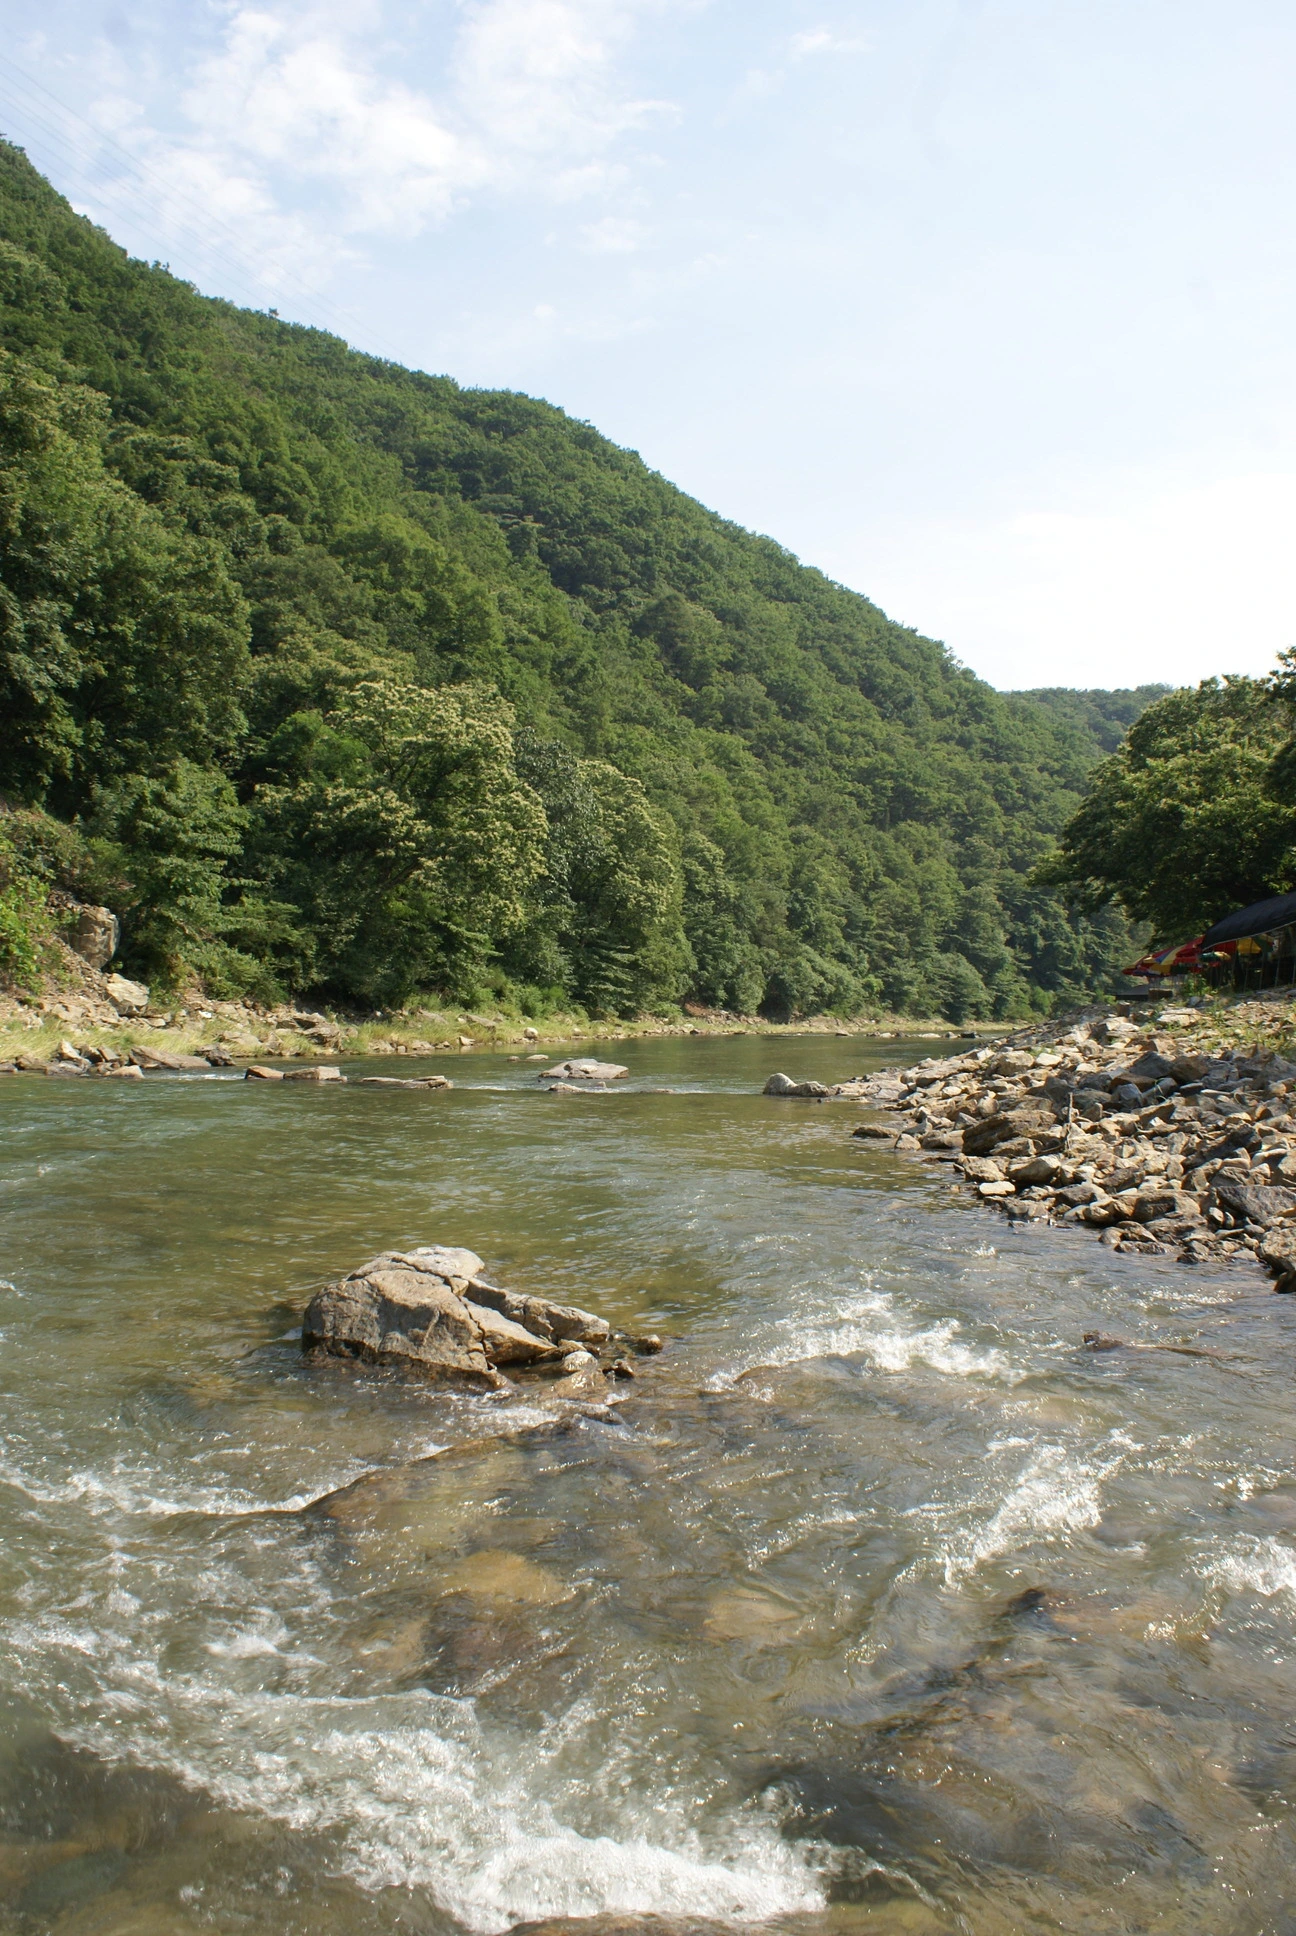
x: 985, y: 307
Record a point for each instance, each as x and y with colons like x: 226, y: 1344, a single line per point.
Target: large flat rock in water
x: 585, y: 1070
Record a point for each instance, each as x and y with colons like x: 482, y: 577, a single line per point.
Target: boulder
x: 431, y: 1308
x: 875, y: 1132
x: 1153, y: 1067
x: 151, y: 1058
x: 1190, y: 1068
x: 458, y: 1266
x: 981, y: 1169
x: 397, y: 1311
x: 781, y: 1085
x: 506, y: 1342
x: 1277, y: 1249
x: 91, y: 932
x: 1073, y: 1195
x: 1261, y: 1203
x: 980, y: 1138
x: 1113, y: 1028
x: 1035, y: 1169
x: 322, y: 1072
x: 258, y: 1072
x: 130, y: 997
x: 1152, y: 1205
x: 560, y: 1322
x: 585, y: 1070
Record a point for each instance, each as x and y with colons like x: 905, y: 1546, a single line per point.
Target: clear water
x: 878, y: 1602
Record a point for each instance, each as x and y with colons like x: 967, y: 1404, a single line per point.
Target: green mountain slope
x: 344, y: 678
x: 1105, y: 717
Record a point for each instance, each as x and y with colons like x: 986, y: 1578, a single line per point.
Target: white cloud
x: 1177, y: 582
x: 293, y: 92
x: 294, y: 131
x: 821, y: 40
x: 614, y: 235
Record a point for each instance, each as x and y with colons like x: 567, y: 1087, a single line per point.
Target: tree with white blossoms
x: 411, y: 844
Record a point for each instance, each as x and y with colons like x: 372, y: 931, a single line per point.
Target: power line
x: 206, y: 233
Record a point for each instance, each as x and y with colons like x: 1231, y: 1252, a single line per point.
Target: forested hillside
x: 1105, y: 717
x: 332, y: 676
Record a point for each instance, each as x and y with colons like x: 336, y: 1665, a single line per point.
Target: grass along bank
x: 76, y: 1011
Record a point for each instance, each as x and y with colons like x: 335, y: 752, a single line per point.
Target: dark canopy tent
x: 1279, y: 911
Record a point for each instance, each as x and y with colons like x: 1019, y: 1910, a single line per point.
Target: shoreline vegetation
x: 1173, y: 1133
x: 33, y: 1031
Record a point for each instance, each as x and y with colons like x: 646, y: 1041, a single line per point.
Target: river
x: 878, y: 1603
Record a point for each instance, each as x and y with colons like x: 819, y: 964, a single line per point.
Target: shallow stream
x: 876, y: 1603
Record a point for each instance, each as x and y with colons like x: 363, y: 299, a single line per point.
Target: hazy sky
x: 986, y: 308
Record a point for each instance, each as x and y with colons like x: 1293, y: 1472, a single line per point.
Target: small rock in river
x: 586, y: 1070
x: 260, y: 1072
x: 406, y: 1082
x: 781, y: 1085
x: 151, y: 1058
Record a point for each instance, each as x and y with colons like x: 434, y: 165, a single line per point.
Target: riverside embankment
x: 1176, y: 1132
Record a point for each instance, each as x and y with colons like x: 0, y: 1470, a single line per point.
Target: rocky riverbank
x: 1174, y: 1137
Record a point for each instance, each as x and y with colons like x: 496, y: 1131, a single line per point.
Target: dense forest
x: 1105, y: 716
x: 330, y: 676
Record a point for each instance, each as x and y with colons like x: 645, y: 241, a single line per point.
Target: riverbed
x: 875, y: 1601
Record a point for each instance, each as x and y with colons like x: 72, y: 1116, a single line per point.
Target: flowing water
x: 878, y: 1602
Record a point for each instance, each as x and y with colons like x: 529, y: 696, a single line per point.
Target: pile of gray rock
x: 100, y: 1059
x: 431, y: 1309
x: 1130, y: 1132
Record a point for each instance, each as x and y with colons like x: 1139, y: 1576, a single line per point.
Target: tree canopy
x: 1195, y: 813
